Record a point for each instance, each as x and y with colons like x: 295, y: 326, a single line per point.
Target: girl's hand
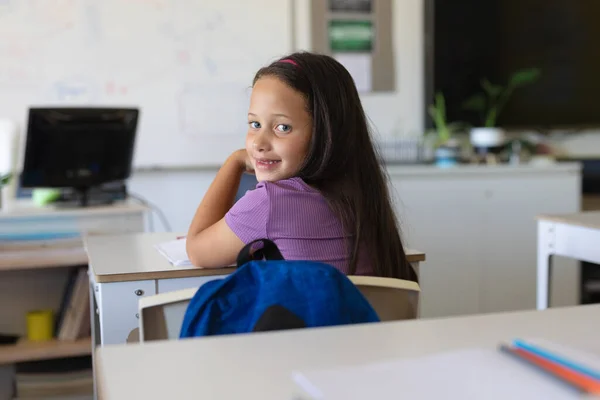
x: 241, y: 158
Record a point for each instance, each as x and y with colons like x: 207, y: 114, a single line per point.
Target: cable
x: 154, y: 208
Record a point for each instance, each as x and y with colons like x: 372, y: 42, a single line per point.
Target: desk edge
x: 142, y: 276
x: 414, y: 256
x: 564, y: 219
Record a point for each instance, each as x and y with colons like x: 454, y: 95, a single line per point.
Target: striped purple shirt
x: 297, y: 218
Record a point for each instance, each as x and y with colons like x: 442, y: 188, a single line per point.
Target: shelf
x: 33, y: 351
x: 45, y: 258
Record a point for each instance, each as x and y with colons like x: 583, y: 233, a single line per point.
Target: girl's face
x: 279, y: 130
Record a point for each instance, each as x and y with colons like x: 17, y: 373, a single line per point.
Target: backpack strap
x: 252, y: 252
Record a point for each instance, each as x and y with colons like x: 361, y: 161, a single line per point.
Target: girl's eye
x: 254, y: 125
x: 283, y: 128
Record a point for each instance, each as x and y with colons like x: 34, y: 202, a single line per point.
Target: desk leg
x: 118, y: 308
x: 544, y: 253
x: 93, y: 325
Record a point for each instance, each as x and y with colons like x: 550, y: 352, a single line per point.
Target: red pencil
x: 576, y: 379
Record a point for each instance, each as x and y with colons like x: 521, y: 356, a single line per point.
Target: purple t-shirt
x: 297, y: 218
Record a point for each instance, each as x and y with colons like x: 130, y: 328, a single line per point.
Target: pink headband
x: 288, y: 61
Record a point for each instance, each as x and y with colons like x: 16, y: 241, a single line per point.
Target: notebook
x: 462, y: 374
x: 175, y: 252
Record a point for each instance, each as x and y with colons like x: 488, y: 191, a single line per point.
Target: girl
x: 321, y: 196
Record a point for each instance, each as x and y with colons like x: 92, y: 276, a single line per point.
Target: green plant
x: 490, y: 103
x: 4, y: 179
x: 443, y: 129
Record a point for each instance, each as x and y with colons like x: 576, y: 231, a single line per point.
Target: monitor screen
x: 78, y: 147
x: 477, y: 39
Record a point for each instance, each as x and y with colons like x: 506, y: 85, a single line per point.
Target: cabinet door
x: 508, y: 276
x: 441, y: 216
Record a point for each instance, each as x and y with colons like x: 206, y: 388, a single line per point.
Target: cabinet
x: 34, y: 277
x: 477, y: 225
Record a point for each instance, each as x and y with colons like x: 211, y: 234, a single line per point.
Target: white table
x: 124, y: 268
x: 259, y: 366
x: 570, y: 235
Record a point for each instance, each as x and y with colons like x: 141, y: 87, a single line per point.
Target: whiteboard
x: 187, y: 64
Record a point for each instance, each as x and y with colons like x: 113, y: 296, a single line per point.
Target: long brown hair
x: 342, y: 162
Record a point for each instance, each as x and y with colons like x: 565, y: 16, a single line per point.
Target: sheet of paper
x: 175, y: 252
x: 463, y: 374
x: 359, y: 66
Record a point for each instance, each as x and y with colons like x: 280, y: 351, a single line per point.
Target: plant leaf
x: 441, y: 105
x: 435, y: 116
x: 437, y: 111
x: 492, y: 90
x: 490, y: 121
x: 475, y: 103
x: 4, y: 179
x: 525, y: 76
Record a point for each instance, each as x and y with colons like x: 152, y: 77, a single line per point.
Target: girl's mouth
x: 265, y: 164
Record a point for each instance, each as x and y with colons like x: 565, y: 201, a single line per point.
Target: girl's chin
x: 269, y: 177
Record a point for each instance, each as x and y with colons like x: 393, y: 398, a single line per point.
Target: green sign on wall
x: 350, y: 35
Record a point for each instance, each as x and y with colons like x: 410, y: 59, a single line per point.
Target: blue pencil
x: 557, y: 358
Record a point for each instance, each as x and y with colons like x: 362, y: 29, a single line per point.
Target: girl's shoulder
x: 278, y: 209
x: 268, y: 197
x: 286, y: 185
x: 267, y: 194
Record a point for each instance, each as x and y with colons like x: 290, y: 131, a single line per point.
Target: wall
x: 177, y: 193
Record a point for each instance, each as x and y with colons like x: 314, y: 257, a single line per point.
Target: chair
x: 392, y: 299
x: 161, y: 315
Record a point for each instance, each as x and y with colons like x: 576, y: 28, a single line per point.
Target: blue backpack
x: 268, y: 293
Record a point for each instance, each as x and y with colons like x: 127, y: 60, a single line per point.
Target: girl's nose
x: 261, y: 142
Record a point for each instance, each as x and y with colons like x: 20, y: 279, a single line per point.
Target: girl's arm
x: 210, y: 241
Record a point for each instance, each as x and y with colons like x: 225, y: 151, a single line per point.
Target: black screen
x: 476, y: 39
x: 78, y: 147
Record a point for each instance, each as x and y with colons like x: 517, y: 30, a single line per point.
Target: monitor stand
x: 81, y: 198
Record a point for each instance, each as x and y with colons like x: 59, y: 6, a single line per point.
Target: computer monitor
x: 78, y: 148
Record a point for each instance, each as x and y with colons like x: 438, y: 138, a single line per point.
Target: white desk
x: 570, y: 235
x: 259, y: 366
x: 124, y: 268
x: 120, y: 217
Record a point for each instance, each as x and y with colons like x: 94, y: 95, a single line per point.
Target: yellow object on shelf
x: 40, y: 325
